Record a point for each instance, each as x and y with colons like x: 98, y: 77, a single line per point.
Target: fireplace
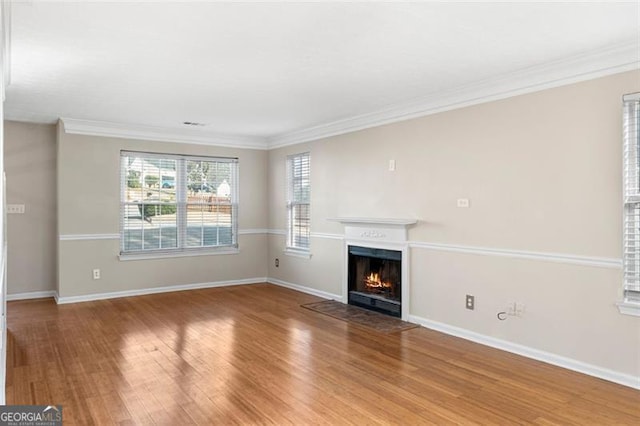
x: 375, y: 279
x: 384, y: 242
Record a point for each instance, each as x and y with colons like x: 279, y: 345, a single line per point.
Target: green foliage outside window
x: 151, y: 180
x: 133, y: 179
x: 151, y: 210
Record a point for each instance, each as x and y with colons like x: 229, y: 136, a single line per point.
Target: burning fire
x: 373, y: 283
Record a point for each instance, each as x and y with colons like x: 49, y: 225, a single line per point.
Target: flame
x: 373, y: 281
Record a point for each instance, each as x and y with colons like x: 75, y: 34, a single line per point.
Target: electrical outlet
x: 470, y: 302
x: 96, y: 274
x: 515, y: 309
x: 277, y: 262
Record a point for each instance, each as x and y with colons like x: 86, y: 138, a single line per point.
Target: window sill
x: 629, y: 308
x: 148, y: 256
x: 298, y: 253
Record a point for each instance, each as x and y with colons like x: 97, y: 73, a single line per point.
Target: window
x: 174, y: 203
x: 631, y: 191
x: 298, y: 202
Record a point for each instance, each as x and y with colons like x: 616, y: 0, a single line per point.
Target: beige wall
x: 543, y: 174
x: 30, y: 162
x: 88, y: 204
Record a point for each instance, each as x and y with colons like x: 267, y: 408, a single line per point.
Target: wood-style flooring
x: 251, y: 355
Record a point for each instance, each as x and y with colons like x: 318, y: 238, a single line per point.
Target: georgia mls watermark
x: 31, y: 415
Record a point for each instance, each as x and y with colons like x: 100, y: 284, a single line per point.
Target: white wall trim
x: 324, y: 235
x: 302, y: 254
x: 600, y: 262
x: 132, y: 257
x: 327, y: 236
x: 572, y: 259
x: 79, y: 237
x: 154, y: 290
x: 253, y: 231
x: 629, y: 308
x: 31, y: 295
x: 160, y: 134
x: 304, y: 289
x: 594, y: 64
x: 550, y: 358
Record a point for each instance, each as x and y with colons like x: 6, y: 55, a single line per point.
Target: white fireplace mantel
x: 385, y: 221
x: 387, y: 230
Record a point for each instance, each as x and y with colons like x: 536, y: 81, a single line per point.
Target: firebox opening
x: 375, y: 279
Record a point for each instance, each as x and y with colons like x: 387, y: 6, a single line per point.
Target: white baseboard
x: 144, y: 291
x: 31, y: 295
x: 549, y: 358
x: 303, y: 289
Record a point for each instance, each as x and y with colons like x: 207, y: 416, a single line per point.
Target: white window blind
x: 298, y: 201
x: 173, y: 203
x: 631, y: 191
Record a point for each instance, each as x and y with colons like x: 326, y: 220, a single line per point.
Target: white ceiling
x: 286, y: 72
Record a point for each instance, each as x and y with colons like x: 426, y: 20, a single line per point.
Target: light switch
x: 463, y: 203
x: 392, y: 165
x: 15, y: 208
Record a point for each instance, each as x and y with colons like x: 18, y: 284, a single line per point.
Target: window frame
x: 181, y: 185
x: 631, y: 206
x: 291, y: 246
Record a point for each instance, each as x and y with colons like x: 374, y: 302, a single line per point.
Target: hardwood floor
x: 252, y: 355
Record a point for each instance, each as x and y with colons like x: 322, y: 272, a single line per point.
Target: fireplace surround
x: 384, y: 236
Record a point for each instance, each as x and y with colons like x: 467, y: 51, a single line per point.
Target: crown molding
x: 160, y: 134
x: 586, y: 66
x: 590, y: 65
